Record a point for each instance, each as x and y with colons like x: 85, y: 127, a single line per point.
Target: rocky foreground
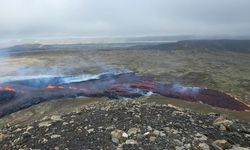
x: 129, y: 125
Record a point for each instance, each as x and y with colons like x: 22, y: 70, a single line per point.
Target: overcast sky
x: 63, y: 18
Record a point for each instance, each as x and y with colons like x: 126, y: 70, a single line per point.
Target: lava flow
x: 24, y: 93
x: 55, y: 87
x: 7, y: 89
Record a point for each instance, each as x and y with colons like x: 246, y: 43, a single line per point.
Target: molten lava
x: 55, y: 87
x: 20, y: 94
x: 7, y: 89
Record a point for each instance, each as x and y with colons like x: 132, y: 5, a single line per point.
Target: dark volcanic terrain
x: 147, y: 122
x: 129, y: 125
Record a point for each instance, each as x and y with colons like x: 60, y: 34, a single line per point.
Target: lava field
x: 19, y: 94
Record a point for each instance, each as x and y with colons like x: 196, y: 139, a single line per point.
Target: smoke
x: 183, y: 89
x: 63, y: 65
x: 4, y: 57
x: 38, y: 80
x: 4, y: 54
x: 85, y: 77
x: 71, y: 66
x: 111, y: 85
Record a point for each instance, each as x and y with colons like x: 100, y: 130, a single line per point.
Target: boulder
x: 203, y: 146
x: 118, y: 136
x: 221, y: 144
x: 56, y: 118
x: 2, y: 137
x: 134, y: 131
x: 222, y: 123
x: 44, y: 124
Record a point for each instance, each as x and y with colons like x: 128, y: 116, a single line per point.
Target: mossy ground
x: 221, y: 70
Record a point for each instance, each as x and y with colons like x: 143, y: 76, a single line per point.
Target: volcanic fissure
x: 19, y: 94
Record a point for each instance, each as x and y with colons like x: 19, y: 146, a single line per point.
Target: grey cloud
x: 48, y: 18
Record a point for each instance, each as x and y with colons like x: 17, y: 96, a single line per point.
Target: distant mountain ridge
x: 228, y: 45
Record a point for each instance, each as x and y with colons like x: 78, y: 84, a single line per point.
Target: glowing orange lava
x: 247, y: 110
x: 55, y: 87
x: 7, y: 89
x: 241, y: 101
